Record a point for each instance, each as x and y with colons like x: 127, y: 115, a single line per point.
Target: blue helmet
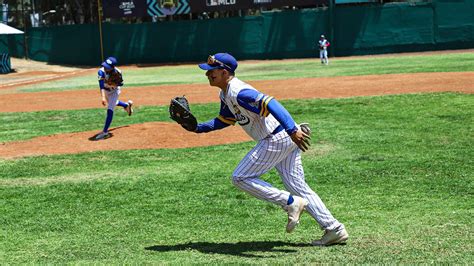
x: 110, y: 63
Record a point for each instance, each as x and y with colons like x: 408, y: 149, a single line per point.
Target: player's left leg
x: 263, y: 157
x: 126, y: 106
x: 326, y: 57
x: 292, y: 174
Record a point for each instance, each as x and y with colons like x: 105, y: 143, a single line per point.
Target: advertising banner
x: 142, y: 8
x: 160, y: 8
x: 217, y: 5
x: 124, y: 8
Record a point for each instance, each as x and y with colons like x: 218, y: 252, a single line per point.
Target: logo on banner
x: 127, y: 7
x: 220, y: 2
x: 262, y: 1
x: 162, y: 8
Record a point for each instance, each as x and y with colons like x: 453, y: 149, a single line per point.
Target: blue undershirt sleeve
x: 211, y: 125
x: 262, y: 104
x: 101, y: 84
x: 225, y: 119
x: 101, y: 75
x: 282, y: 116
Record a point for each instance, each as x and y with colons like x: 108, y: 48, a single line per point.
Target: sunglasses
x: 211, y: 60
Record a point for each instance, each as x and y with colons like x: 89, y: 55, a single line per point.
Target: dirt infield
x: 332, y: 87
x: 169, y: 135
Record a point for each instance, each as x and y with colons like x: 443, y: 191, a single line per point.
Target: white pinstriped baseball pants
x: 281, y: 152
x: 112, y: 98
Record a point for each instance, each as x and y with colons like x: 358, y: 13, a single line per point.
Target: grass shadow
x: 242, y: 249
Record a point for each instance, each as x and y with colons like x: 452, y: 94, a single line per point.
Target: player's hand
x: 104, y: 101
x: 301, y: 139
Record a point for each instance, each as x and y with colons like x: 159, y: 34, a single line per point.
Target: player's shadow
x: 242, y: 249
x: 93, y: 138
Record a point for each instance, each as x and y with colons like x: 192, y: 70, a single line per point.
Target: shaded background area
x: 357, y: 30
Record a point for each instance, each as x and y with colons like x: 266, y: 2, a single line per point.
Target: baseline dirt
x: 169, y: 135
x: 330, y: 87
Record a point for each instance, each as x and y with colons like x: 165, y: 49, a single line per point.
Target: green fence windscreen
x: 293, y: 34
x: 455, y: 21
x: 374, y: 28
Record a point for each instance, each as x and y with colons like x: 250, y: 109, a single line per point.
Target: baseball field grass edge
x: 274, y: 70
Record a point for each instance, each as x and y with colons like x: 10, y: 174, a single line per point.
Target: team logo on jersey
x: 254, y: 104
x: 239, y: 117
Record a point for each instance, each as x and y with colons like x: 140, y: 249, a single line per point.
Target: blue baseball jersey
x: 104, y: 77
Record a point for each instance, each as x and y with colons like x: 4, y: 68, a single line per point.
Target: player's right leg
x: 112, y: 99
x: 292, y: 173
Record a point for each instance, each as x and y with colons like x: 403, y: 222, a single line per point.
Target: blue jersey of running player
x: 259, y: 115
x: 104, y: 77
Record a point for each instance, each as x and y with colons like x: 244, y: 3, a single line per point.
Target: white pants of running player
x: 281, y: 152
x: 112, y: 98
x: 323, y: 54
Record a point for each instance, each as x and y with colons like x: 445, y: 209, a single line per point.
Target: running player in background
x: 323, y: 50
x: 279, y: 144
x: 110, y: 93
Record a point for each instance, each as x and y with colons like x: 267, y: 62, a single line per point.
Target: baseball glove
x: 115, y: 79
x: 305, y: 141
x: 181, y: 113
x: 306, y: 129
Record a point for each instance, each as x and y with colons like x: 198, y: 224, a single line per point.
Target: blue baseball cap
x: 221, y: 61
x: 109, y: 63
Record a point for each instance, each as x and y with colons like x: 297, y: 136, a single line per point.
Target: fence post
x: 332, y: 13
x: 100, y: 31
x: 25, y: 37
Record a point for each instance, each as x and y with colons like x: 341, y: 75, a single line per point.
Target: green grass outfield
x: 268, y: 70
x: 397, y: 170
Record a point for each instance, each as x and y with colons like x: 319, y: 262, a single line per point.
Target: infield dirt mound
x: 140, y: 136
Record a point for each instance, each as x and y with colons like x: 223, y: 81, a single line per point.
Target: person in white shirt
x: 323, y: 50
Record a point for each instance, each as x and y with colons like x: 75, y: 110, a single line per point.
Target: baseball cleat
x: 129, y: 108
x: 294, y: 212
x: 102, y: 135
x: 332, y: 237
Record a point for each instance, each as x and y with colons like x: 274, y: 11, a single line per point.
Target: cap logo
x: 108, y: 61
